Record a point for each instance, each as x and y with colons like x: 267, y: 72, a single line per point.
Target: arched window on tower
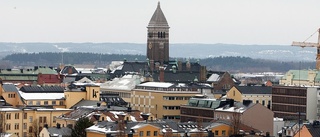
x: 150, y: 34
x: 164, y: 34
x: 159, y: 35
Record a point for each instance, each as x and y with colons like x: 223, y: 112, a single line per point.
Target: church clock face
x: 161, y: 45
x: 150, y: 45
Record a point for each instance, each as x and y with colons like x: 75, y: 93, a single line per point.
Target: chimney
x: 231, y: 102
x: 179, y: 65
x: 188, y: 65
x: 246, y: 102
x: 129, y: 109
x: 151, y: 65
x: 161, y: 74
x: 157, y: 65
x: 145, y: 117
x: 58, y: 125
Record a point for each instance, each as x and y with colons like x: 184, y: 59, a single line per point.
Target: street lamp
x: 299, y: 121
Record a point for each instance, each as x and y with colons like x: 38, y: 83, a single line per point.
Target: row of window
x: 171, y: 107
x: 30, y: 102
x: 11, y: 95
x: 160, y: 34
x: 175, y: 98
x: 148, y: 133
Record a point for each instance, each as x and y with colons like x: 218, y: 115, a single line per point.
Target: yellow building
x: 165, y: 129
x: 257, y: 94
x: 301, y: 77
x: 161, y: 99
x: 85, y: 92
x: 28, y: 121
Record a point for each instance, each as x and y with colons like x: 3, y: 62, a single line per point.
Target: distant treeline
x: 232, y: 64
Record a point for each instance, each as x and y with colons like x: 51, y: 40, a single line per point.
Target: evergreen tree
x: 80, y: 126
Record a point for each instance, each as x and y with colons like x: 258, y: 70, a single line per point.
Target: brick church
x: 158, y: 65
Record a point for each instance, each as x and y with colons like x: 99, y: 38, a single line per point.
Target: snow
x: 133, y: 118
x: 214, y: 77
x: 156, y: 84
x: 9, y: 109
x: 42, y: 96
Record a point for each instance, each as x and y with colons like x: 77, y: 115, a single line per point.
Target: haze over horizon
x: 244, y: 22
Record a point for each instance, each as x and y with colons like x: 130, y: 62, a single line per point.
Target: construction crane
x: 310, y: 44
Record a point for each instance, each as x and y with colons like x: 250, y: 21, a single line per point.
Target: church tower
x: 158, y: 38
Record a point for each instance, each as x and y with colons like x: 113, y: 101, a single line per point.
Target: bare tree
x: 34, y: 129
x: 236, y: 121
x: 199, y: 127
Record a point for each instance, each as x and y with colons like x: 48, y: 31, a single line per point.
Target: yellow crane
x: 311, y: 44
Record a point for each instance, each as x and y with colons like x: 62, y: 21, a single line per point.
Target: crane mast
x: 311, y: 44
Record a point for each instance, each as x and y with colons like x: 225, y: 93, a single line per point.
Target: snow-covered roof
x: 9, y: 109
x: 42, y: 96
x: 157, y: 84
x: 214, y: 77
x: 127, y: 82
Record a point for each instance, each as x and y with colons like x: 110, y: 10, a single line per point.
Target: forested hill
x: 233, y: 64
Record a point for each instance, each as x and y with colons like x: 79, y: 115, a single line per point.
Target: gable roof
x: 254, y: 89
x: 313, y: 129
x: 9, y: 88
x: 42, y: 89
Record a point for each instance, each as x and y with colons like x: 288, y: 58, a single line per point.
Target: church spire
x: 158, y: 37
x: 158, y: 19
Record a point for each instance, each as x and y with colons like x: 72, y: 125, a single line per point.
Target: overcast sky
x: 191, y: 21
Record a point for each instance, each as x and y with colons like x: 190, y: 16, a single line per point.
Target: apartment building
x: 292, y: 102
x: 28, y: 121
x: 301, y: 77
x: 162, y: 99
x: 258, y: 94
x: 228, y: 110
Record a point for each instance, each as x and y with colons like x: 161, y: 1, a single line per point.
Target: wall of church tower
x: 158, y: 44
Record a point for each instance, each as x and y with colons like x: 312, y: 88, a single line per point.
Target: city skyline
x: 208, y: 21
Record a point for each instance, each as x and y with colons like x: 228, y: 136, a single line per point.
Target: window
x: 38, y: 103
x: 25, y: 115
x: 61, y: 103
x: 141, y: 134
x: 148, y: 133
x: 24, y: 125
x: 16, y: 126
x: 257, y: 101
x: 30, y: 103
x: 44, y: 119
x: 25, y: 134
x: 30, y: 119
x: 263, y: 103
x: 223, y: 132
x: 8, y: 126
x: 16, y: 115
x: 155, y: 133
x: 45, y: 102
x: 30, y: 129
x: 53, y: 102
x: 216, y: 132
x: 8, y: 116
x: 40, y: 119
x: 54, y: 119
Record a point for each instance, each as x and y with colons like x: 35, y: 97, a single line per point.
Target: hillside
x: 233, y: 64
